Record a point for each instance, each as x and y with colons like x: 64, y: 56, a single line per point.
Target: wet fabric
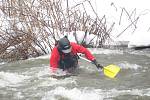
x: 68, y: 62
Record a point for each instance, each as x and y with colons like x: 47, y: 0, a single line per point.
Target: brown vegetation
x: 32, y: 23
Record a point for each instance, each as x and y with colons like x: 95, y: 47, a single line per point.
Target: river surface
x: 31, y: 79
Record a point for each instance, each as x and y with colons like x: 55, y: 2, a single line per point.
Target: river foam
x: 91, y: 94
x: 11, y: 79
x: 127, y: 65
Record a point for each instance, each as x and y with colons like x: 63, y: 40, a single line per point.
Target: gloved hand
x: 97, y: 65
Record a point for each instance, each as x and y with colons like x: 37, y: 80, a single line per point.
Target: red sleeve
x: 54, y: 59
x: 83, y: 50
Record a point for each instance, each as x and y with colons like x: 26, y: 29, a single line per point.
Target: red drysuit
x: 55, y: 55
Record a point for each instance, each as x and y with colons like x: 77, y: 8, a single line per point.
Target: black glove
x: 97, y: 65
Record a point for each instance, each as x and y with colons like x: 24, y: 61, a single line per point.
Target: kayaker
x: 64, y: 55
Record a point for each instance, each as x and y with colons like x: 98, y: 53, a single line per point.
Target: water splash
x: 126, y: 65
x: 105, y: 51
x: 2, y: 63
x: 71, y: 94
x: 91, y: 94
x: 9, y: 79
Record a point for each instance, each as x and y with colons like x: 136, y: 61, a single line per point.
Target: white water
x: 35, y: 81
x: 92, y: 94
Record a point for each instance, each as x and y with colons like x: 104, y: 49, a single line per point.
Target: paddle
x: 110, y: 71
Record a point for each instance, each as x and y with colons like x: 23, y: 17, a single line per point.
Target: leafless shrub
x: 35, y: 24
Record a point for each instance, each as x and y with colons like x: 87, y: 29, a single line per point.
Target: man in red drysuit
x: 64, y: 55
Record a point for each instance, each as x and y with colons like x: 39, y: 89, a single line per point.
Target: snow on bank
x: 139, y: 40
x: 112, y: 9
x: 137, y: 34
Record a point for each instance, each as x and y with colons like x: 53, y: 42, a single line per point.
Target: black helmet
x: 64, y: 45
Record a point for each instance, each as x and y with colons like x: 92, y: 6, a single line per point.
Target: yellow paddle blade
x: 111, y: 70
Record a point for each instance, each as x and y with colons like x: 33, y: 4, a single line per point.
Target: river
x: 31, y: 79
